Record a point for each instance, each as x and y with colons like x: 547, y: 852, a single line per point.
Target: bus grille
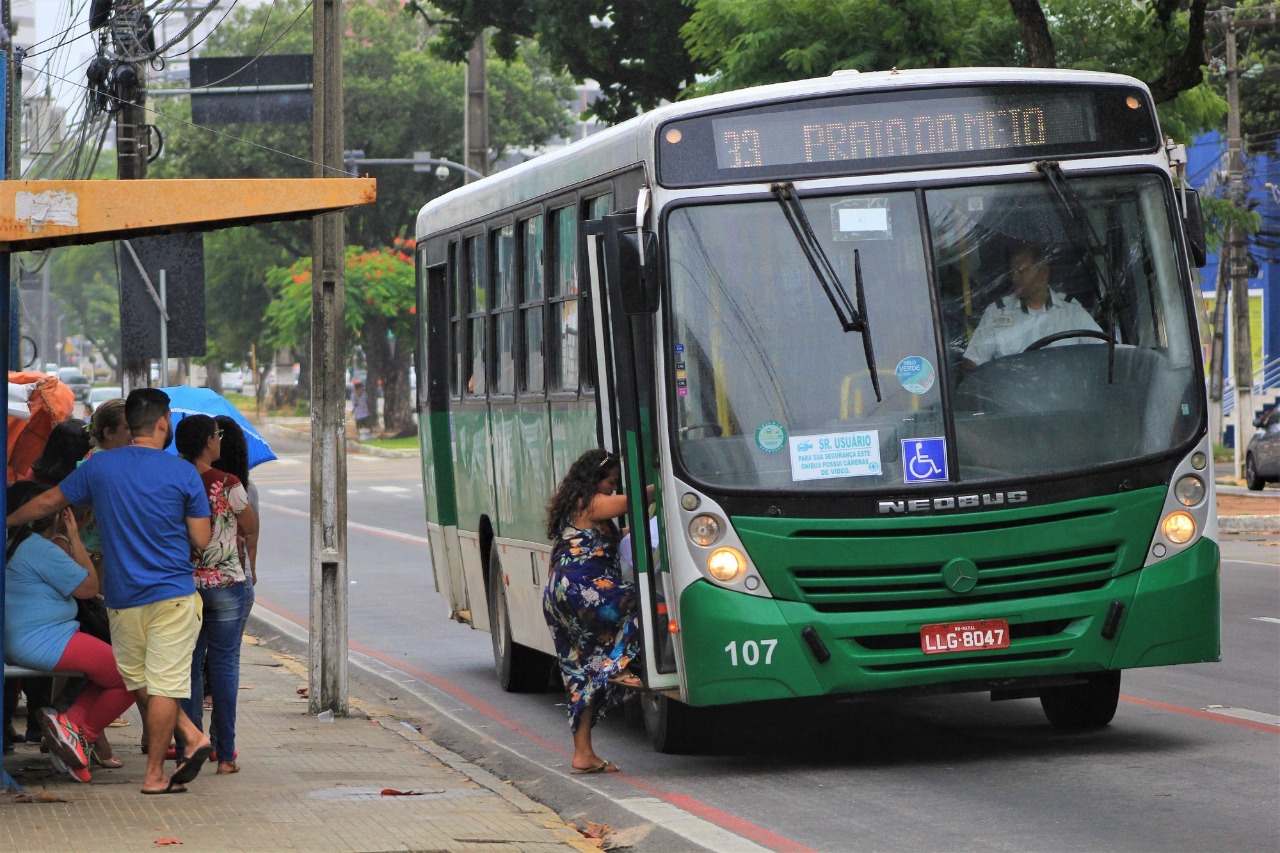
x: 865, y: 589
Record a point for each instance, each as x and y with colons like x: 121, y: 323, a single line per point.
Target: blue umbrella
x: 185, y: 400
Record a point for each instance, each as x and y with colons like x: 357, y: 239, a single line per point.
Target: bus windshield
x: 1013, y: 338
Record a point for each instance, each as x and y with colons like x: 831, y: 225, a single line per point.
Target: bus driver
x: 1031, y: 312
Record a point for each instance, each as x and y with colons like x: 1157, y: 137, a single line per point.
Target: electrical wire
x: 233, y: 137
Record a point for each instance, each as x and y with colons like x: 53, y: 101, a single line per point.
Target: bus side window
x: 596, y: 208
x: 564, y: 338
x: 475, y: 369
x: 504, y: 313
x: 457, y: 322
x: 533, y: 378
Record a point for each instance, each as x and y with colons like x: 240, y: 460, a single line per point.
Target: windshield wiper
x: 852, y: 318
x: 1089, y: 245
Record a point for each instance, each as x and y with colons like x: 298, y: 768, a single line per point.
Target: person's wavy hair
x: 68, y: 443
x: 108, y: 414
x: 192, y: 435
x: 19, y: 493
x: 235, y: 450
x: 578, y: 487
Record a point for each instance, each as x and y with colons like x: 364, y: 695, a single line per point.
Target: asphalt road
x: 1192, y: 761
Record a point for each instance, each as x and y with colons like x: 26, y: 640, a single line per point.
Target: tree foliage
x: 631, y: 48
x: 398, y: 99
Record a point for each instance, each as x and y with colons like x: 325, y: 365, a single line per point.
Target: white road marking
x: 362, y: 458
x: 354, y: 525
x: 285, y: 492
x: 389, y: 489
x: 701, y: 832
x: 1245, y: 714
x: 287, y: 460
x: 1266, y: 619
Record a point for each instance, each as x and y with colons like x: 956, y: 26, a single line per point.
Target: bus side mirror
x: 634, y: 270
x: 1193, y: 224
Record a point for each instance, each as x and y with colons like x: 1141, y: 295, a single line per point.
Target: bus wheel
x: 1083, y: 706
x: 520, y: 669
x: 674, y: 728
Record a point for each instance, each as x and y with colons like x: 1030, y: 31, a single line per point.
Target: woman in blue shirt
x: 42, y: 582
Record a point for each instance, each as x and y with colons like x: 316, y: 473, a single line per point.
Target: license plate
x: 964, y: 636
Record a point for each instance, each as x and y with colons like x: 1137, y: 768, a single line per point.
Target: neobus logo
x: 953, y: 502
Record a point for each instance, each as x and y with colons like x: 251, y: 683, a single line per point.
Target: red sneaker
x: 66, y: 738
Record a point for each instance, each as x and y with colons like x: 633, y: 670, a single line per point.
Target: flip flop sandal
x: 172, y: 788
x: 190, y: 767
x: 603, y: 767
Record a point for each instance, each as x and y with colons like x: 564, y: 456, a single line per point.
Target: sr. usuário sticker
x: 771, y: 436
x: 915, y: 374
x: 835, y: 454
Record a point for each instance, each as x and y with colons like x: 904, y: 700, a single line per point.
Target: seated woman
x: 40, y: 630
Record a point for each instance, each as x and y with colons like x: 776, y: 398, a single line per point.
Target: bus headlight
x: 1178, y: 527
x: 1189, y: 490
x: 726, y: 564
x: 704, y: 529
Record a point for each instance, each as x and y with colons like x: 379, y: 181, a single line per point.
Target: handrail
x: 1265, y: 377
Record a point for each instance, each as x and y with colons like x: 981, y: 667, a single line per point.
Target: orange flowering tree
x: 380, y: 315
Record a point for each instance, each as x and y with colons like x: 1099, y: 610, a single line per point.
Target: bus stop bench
x: 12, y: 670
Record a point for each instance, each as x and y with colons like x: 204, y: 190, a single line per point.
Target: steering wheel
x: 1069, y: 333
x: 712, y: 430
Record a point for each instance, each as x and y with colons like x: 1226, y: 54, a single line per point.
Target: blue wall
x: 1206, y: 168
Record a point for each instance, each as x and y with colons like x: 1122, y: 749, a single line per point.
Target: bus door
x: 623, y: 307
x: 435, y: 429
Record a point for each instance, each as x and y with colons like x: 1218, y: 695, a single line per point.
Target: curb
x: 1249, y: 523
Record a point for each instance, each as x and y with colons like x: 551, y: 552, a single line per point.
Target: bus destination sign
x: 857, y: 134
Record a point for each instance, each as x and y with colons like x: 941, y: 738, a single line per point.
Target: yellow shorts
x: 154, y: 642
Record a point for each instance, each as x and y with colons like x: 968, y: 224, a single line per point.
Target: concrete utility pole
x: 476, y: 121
x: 132, y: 148
x: 328, y: 634
x: 1241, y: 338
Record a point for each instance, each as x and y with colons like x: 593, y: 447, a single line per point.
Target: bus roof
x: 630, y: 143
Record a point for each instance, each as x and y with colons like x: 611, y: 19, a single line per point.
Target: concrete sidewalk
x: 304, y: 785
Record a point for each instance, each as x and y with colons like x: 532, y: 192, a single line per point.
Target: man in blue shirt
x: 151, y: 510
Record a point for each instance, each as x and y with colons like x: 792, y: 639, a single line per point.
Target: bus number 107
x: 751, y: 652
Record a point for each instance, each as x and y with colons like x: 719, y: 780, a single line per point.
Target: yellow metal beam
x: 44, y: 214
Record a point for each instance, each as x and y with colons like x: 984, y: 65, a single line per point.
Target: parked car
x: 76, y: 381
x: 232, y: 378
x: 1262, y: 456
x: 100, y: 395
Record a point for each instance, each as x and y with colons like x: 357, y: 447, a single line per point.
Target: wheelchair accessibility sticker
x: 835, y: 454
x: 924, y: 460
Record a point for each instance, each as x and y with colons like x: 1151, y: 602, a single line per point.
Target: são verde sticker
x: 771, y: 436
x: 915, y: 374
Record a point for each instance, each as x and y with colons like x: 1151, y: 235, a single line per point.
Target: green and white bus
x: 766, y: 302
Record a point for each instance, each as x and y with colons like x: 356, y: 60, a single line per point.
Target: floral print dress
x: 218, y: 565
x: 592, y: 613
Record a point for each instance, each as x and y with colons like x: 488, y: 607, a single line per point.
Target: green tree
x: 398, y: 99
x: 383, y: 315
x: 83, y: 279
x: 631, y: 48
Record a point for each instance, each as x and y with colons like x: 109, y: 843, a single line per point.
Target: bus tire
x: 674, y: 728
x: 1090, y: 705
x: 520, y: 669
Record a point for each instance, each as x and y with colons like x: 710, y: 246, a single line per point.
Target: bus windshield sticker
x: 771, y: 436
x: 835, y: 454
x: 915, y: 374
x: 924, y: 460
x: 861, y: 219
